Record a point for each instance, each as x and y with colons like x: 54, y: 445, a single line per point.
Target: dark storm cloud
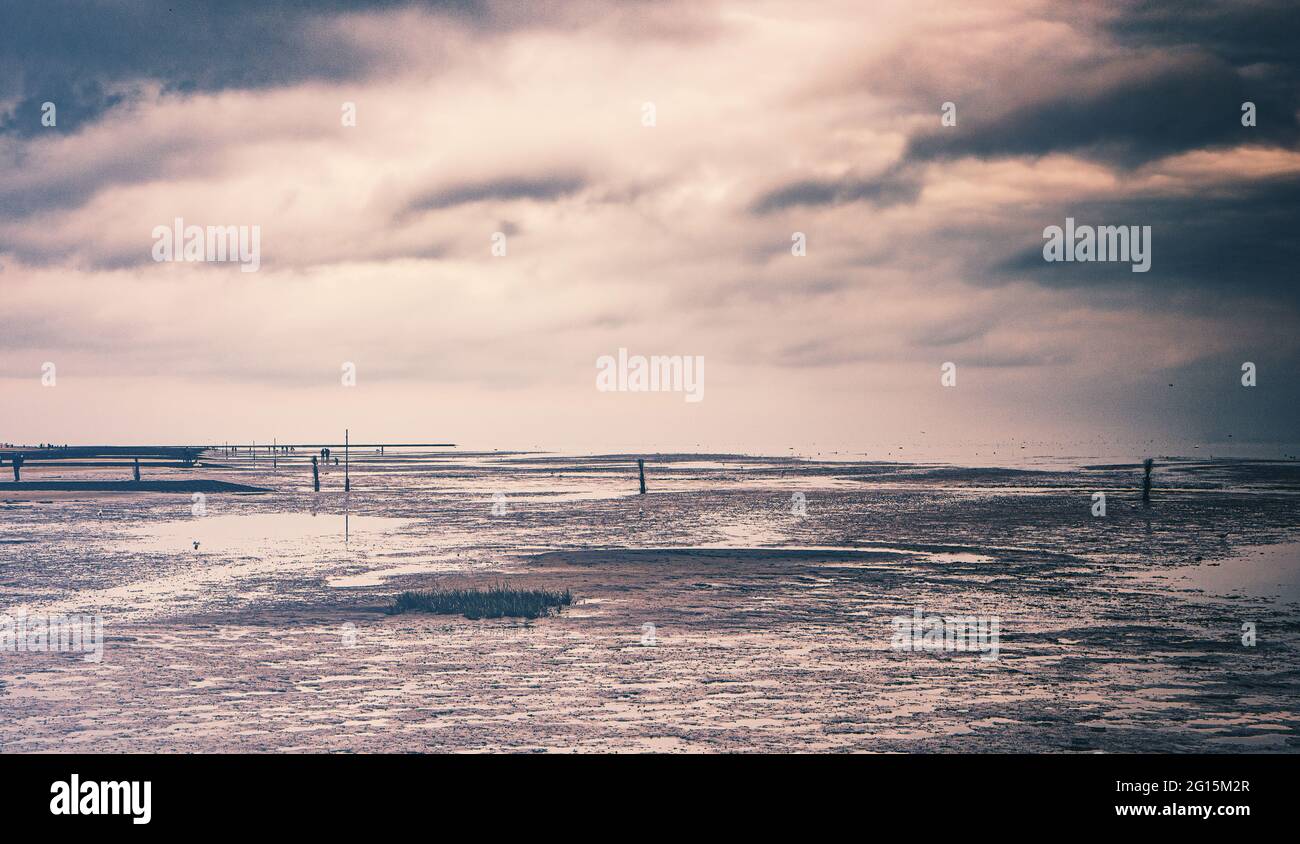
x: 510, y: 188
x: 80, y: 53
x: 1238, y: 243
x: 1126, y: 114
x: 1243, y: 33
x: 78, y: 101
x: 1209, y: 391
x: 892, y: 188
x: 1189, y: 68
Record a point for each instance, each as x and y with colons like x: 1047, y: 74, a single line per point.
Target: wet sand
x: 1117, y: 634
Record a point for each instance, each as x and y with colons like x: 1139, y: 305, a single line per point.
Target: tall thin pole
x: 275, y: 448
x: 347, y: 483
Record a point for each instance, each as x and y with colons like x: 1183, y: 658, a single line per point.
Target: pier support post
x: 1146, y: 480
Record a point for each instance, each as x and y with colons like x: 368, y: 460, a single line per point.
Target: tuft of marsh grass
x: 495, y: 602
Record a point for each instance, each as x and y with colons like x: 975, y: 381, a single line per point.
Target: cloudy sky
x: 924, y: 241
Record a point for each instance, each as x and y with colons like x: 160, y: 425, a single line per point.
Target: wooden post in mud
x: 347, y: 483
x: 275, y: 451
x: 640, y: 465
x: 315, y: 474
x: 1146, y: 480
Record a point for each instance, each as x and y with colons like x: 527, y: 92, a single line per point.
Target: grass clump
x: 497, y: 601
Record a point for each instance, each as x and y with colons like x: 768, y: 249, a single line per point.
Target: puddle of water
x: 256, y: 533
x: 1270, y: 572
x: 960, y: 557
x: 745, y: 535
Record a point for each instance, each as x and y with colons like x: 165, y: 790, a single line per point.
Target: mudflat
x: 709, y: 614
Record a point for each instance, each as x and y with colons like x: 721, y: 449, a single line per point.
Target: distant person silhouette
x: 18, y: 467
x: 135, y: 470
